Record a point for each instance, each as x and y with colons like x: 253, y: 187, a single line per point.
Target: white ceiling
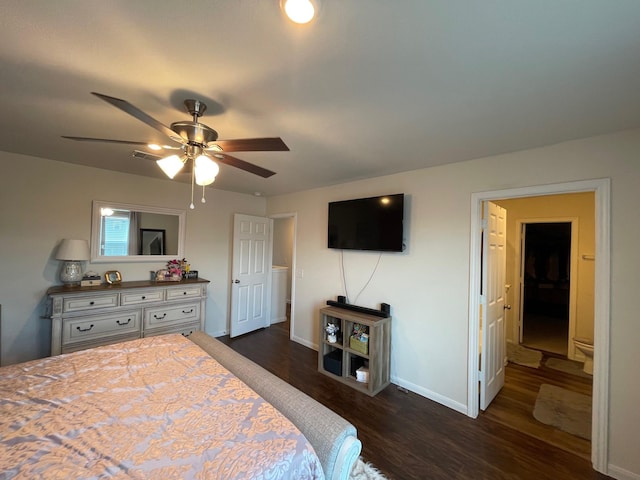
x: 370, y: 88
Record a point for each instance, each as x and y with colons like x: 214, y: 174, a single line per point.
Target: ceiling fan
x: 198, y: 143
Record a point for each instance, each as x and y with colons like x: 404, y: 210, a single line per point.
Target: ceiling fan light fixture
x: 205, y: 170
x: 171, y: 165
x: 194, y: 139
x: 299, y: 11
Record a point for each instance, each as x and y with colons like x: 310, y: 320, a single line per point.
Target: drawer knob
x: 92, y: 302
x: 85, y: 329
x: 184, y: 293
x: 143, y: 297
x: 159, y: 318
x: 123, y: 323
x: 185, y: 312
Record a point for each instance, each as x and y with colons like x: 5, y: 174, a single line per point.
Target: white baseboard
x: 621, y: 473
x: 304, y: 342
x: 436, y: 397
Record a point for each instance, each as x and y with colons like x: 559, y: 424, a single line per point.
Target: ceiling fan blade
x: 140, y: 115
x: 104, y: 140
x: 274, y: 144
x: 242, y: 165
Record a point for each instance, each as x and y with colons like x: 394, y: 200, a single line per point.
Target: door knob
x: 507, y: 307
x: 236, y: 281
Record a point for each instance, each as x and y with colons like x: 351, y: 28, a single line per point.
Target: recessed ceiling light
x: 300, y: 11
x: 257, y: 194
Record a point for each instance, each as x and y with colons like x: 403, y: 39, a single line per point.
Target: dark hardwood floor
x: 514, y: 404
x: 407, y: 436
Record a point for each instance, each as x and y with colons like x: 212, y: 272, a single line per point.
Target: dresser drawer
x: 97, y: 326
x: 184, y: 292
x: 141, y: 296
x: 171, y: 314
x: 85, y: 317
x: 185, y: 329
x: 89, y: 302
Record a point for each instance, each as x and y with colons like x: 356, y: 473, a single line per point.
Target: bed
x: 157, y: 407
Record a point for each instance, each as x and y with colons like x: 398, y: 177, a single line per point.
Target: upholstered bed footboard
x: 333, y: 438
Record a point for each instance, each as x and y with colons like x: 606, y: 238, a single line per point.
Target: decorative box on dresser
x: 85, y: 317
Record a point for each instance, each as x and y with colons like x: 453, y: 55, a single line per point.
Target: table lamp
x: 72, y: 252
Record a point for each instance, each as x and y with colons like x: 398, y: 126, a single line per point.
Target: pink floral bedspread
x: 158, y: 407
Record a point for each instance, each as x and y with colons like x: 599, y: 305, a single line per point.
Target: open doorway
x: 600, y: 301
x: 545, y: 286
x: 283, y: 268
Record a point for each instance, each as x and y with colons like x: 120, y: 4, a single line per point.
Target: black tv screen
x: 374, y: 223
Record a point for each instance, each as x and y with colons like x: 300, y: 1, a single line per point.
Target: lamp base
x: 71, y: 273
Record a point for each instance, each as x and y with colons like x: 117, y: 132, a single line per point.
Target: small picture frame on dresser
x: 112, y: 277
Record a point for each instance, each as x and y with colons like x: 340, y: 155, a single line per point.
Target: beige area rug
x: 561, y: 408
x: 523, y: 356
x: 365, y: 471
x: 567, y: 366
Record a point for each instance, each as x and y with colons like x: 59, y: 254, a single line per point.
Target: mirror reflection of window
x: 115, y: 233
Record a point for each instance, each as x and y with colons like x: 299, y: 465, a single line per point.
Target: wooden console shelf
x: 340, y: 361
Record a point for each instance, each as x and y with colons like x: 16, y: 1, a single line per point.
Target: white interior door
x: 251, y: 274
x: 492, y: 358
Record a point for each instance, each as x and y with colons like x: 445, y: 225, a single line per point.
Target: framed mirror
x: 123, y: 232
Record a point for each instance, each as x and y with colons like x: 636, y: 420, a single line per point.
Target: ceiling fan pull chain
x: 192, y: 206
x: 203, y: 200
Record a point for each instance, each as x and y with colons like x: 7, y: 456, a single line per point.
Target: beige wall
x: 427, y: 286
x: 45, y: 201
x: 579, y: 207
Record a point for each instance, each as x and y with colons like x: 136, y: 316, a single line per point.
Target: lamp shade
x: 205, y: 170
x: 171, y: 165
x: 71, y: 249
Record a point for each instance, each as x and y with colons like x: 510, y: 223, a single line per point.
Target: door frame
x: 518, y: 298
x: 292, y: 268
x: 602, y: 293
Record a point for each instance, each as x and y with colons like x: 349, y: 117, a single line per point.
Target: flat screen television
x: 374, y: 223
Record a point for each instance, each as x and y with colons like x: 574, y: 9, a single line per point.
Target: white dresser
x: 84, y: 317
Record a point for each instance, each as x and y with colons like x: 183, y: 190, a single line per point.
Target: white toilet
x: 586, y: 347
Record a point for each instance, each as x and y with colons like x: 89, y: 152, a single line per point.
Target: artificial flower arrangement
x: 178, y: 267
x: 175, y: 271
